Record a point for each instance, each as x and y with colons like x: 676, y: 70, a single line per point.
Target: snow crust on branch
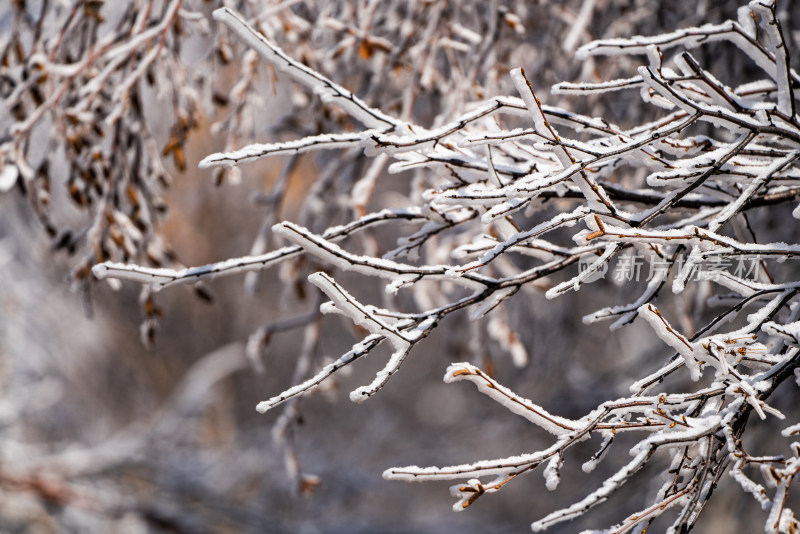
x: 658, y: 192
x: 325, y: 88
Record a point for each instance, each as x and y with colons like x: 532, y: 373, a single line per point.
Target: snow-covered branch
x: 500, y: 197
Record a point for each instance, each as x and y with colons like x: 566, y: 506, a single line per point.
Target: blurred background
x: 99, y: 433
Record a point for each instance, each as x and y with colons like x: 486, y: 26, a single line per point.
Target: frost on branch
x: 678, y: 194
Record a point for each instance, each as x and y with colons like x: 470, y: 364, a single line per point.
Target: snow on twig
x: 524, y: 206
